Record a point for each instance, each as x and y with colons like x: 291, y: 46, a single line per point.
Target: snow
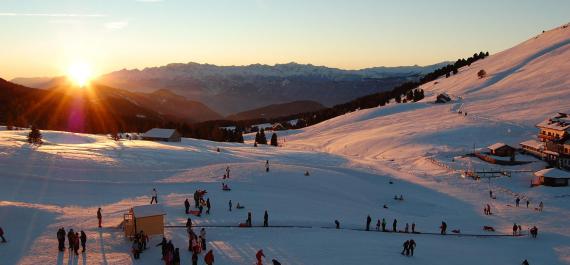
x: 553, y: 173
x: 148, y: 210
x: 560, y: 122
x: 496, y: 146
x: 533, y: 144
x: 418, y: 147
x: 159, y: 133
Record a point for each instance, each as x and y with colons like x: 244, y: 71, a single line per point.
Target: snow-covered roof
x: 560, y: 122
x: 553, y: 173
x: 496, y: 146
x: 263, y: 126
x: 551, y: 153
x: 533, y: 143
x: 148, y: 210
x: 159, y: 133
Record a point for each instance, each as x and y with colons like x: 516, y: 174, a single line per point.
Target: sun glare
x: 80, y: 74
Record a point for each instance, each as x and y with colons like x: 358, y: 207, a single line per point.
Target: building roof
x: 533, y: 143
x: 553, y: 173
x: 497, y: 146
x: 560, y: 122
x: 159, y: 133
x: 148, y: 210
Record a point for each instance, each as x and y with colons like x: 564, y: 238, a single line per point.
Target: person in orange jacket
x: 259, y: 257
x: 209, y: 258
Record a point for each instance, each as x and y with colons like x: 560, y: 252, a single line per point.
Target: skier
x: 209, y: 258
x: 203, y: 237
x: 230, y: 204
x: 517, y: 201
x: 259, y: 256
x: 99, y: 216
x: 2, y: 235
x: 208, y: 205
x: 266, y: 165
x: 154, y: 196
x: 406, y: 247
x: 83, y: 238
x: 515, y: 228
x: 248, y: 220
x: 443, y: 227
x: 412, y: 246
x: 337, y: 224
x: 383, y: 225
x: 265, y: 219
x: 187, y: 205
x: 368, y: 220
x: 413, y: 227
x: 61, y: 239
x: 394, y: 225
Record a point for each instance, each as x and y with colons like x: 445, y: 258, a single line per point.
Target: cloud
x: 116, y: 25
x: 49, y: 15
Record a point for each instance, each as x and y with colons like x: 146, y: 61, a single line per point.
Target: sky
x: 44, y: 37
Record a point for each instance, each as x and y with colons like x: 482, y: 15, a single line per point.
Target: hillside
x: 232, y: 89
x: 278, y: 110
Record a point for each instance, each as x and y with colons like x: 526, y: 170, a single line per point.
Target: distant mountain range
x: 233, y: 89
x: 278, y: 110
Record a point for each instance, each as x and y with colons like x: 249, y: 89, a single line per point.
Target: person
x: 527, y: 203
x: 443, y: 228
x: 248, y: 220
x: 540, y: 206
x: 238, y: 206
x: 515, y: 228
x: 265, y: 219
x: 307, y: 173
x: 378, y: 224
x: 135, y: 248
x: 2, y: 235
x: 176, y: 258
x: 196, y: 199
x: 203, y: 237
x: 491, y: 194
x: 200, y: 209
x: 525, y: 262
x: 194, y: 258
x: 413, y: 227
x: 383, y: 225
x: 187, y: 206
x: 394, y: 225
x: 228, y: 172
x: 144, y: 240
x: 517, y: 201
x: 188, y: 223
x: 61, y: 239
x: 412, y: 246
x: 230, y: 204
x: 368, y: 221
x: 275, y: 262
x: 520, y: 229
x: 208, y: 205
x: 534, y: 231
x: 76, y: 244
x: 401, y: 197
x: 337, y: 224
x: 163, y: 245
x: 83, y: 238
x: 259, y: 256
x: 209, y: 258
x: 406, y: 229
x: 70, y: 236
x: 99, y: 216
x: 405, y: 247
x: 266, y: 165
x: 154, y: 196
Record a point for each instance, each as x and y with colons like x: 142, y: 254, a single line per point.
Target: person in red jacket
x: 2, y: 235
x: 259, y: 257
x: 209, y: 258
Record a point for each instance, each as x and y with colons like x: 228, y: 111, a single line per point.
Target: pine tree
x: 115, y: 136
x: 35, y: 136
x: 398, y: 98
x: 274, y: 139
x: 481, y: 73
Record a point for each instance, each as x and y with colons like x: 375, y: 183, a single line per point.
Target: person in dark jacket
x: 525, y: 262
x: 194, y: 258
x: 265, y: 219
x: 76, y: 244
x: 368, y: 221
x: 208, y: 205
x: 230, y: 204
x: 413, y: 227
x: 83, y: 238
x: 99, y: 217
x: 443, y: 228
x: 275, y: 262
x: 61, y: 239
x: 70, y: 236
x: 189, y: 223
x: 187, y: 206
x: 395, y: 225
x: 337, y: 224
x: 164, y: 245
x: 383, y: 225
x: 248, y: 220
x: 176, y: 259
x: 406, y: 247
x: 412, y: 246
x: 2, y: 235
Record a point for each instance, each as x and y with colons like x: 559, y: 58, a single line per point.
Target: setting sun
x: 80, y: 74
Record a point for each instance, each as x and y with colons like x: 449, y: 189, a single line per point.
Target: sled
x: 456, y: 231
x: 194, y: 212
x: 243, y: 225
x: 489, y: 228
x: 226, y: 189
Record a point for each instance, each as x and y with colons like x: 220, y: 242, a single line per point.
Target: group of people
x: 409, y: 247
x: 199, y: 203
x: 248, y: 220
x: 170, y: 254
x: 382, y: 225
x: 139, y: 244
x: 487, y: 209
x: 74, y: 239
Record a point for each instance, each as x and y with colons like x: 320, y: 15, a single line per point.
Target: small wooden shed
x: 553, y: 177
x: 163, y: 135
x: 147, y: 218
x: 501, y: 149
